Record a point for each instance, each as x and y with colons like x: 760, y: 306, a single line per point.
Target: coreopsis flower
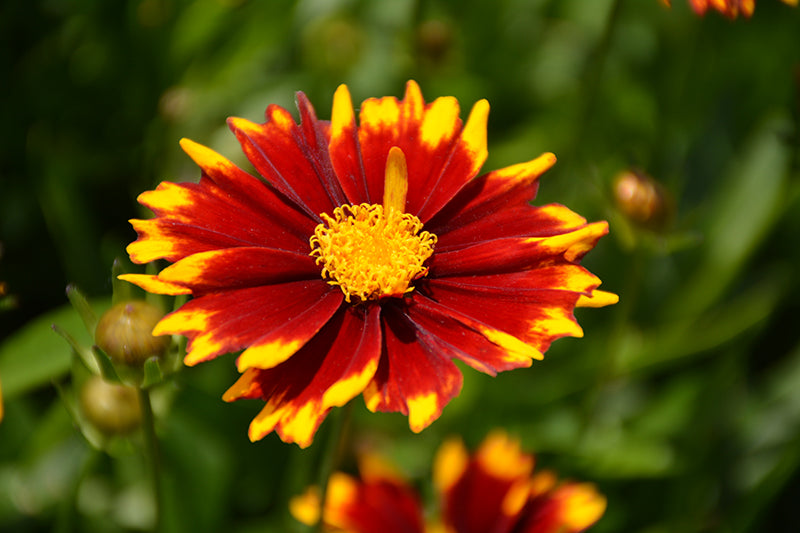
x: 494, y: 490
x: 365, y: 258
x: 729, y: 8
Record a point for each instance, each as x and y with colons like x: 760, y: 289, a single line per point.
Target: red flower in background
x: 364, y: 260
x: 729, y: 8
x: 492, y: 491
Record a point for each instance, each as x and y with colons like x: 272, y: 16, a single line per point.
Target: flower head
x: 366, y: 258
x: 729, y: 8
x: 495, y: 490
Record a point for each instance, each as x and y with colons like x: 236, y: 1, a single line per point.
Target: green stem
x: 152, y: 452
x: 332, y: 453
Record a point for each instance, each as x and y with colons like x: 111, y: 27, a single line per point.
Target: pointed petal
x: 345, y: 151
x: 597, y: 299
x: 228, y: 321
x: 515, y: 254
x: 372, y: 506
x: 192, y: 218
x: 534, y: 306
x: 492, y: 489
x: 498, y: 203
x: 152, y: 284
x: 327, y: 372
x: 413, y: 378
x: 235, y: 268
x: 441, y: 155
x: 568, y: 508
x: 483, y: 347
x: 292, y: 158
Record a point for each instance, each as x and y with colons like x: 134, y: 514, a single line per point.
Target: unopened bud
x: 124, y: 333
x: 641, y: 199
x: 111, y: 408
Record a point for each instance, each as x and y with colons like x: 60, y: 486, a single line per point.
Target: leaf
x: 34, y: 355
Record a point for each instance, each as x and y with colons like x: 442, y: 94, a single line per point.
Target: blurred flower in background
x: 326, y: 279
x: 494, y: 490
x: 729, y: 8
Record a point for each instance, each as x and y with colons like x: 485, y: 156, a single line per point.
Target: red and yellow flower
x: 365, y: 259
x: 729, y: 8
x: 494, y: 490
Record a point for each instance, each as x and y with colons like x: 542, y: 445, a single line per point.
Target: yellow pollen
x: 369, y: 253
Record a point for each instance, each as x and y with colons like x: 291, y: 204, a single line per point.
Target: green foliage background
x: 682, y: 403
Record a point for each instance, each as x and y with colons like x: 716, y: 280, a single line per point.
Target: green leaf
x: 81, y: 305
x: 34, y: 355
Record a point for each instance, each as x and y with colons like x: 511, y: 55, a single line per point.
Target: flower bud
x: 111, y: 408
x: 124, y: 333
x: 641, y: 199
x: 435, y: 41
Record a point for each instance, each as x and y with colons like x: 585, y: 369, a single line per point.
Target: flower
x: 729, y: 8
x: 492, y: 491
x: 364, y: 261
x: 495, y: 490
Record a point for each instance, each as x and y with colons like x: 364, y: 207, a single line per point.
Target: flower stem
x: 332, y: 454
x: 152, y: 453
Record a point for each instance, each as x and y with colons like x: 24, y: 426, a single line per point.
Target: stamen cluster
x: 370, y: 253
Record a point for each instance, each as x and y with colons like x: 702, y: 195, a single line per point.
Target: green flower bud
x: 111, y: 408
x: 124, y: 333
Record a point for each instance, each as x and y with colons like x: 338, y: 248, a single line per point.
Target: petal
x: 235, y: 268
x: 441, y: 155
x: 413, y: 378
x: 533, y: 306
x: 492, y: 490
x: 151, y: 283
x: 597, y: 299
x: 228, y: 321
x: 239, y: 211
x: 328, y: 371
x: 498, y: 204
x: 450, y: 463
x: 293, y: 158
x: 481, y: 346
x: 569, y: 508
x: 344, y: 149
x: 376, y: 506
x: 513, y: 254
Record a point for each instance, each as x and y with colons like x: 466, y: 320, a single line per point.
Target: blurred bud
x: 111, y: 408
x: 175, y: 103
x: 124, y: 333
x: 435, y: 39
x: 333, y: 45
x: 642, y: 199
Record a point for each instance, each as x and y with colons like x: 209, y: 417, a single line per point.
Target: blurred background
x: 682, y: 402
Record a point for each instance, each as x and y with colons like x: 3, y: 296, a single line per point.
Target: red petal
x: 441, y: 156
x: 481, y: 346
x: 569, y: 508
x: 497, y: 204
x: 293, y: 158
x: 413, y: 378
x: 373, y: 506
x: 228, y: 321
x: 235, y: 268
x: 239, y: 210
x: 344, y: 149
x: 534, y: 306
x: 483, y: 498
x: 328, y: 371
x: 515, y: 254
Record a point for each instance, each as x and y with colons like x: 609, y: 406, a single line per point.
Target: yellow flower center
x: 374, y: 251
x: 370, y: 253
